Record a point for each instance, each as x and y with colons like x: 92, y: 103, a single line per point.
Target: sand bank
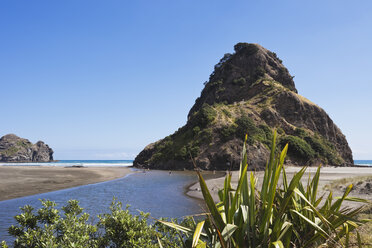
x: 18, y: 181
x: 327, y: 175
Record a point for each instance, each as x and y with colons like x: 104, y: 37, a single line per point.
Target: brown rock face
x: 249, y: 63
x: 16, y: 149
x: 251, y: 92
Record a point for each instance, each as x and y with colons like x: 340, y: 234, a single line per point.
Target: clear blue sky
x: 102, y: 79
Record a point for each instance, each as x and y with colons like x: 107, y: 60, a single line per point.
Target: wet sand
x: 327, y: 175
x: 18, y: 181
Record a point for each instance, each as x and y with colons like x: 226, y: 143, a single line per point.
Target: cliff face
x: 16, y: 149
x: 251, y: 92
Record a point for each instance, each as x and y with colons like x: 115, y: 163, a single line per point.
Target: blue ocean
x: 363, y: 162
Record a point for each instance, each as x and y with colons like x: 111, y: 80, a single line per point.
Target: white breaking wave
x: 363, y: 164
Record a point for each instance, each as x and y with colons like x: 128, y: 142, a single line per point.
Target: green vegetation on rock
x: 11, y: 151
x: 323, y: 149
x: 240, y: 81
x: 298, y: 148
x: 204, y: 116
x: 227, y: 122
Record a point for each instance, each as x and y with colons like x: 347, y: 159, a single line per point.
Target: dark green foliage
x: 259, y: 72
x: 49, y: 227
x: 185, y: 151
x: 245, y: 125
x: 196, y: 130
x: 124, y: 230
x: 300, y: 132
x: 204, y: 116
x: 323, y: 150
x: 181, y: 154
x: 228, y: 132
x: 298, y: 148
x: 205, y: 136
x: 181, y: 144
x: 316, y: 145
x: 265, y: 135
x: 194, y: 150
x: 239, y: 81
x: 163, y: 150
x: 215, y: 84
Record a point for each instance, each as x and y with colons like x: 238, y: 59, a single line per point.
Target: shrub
x: 239, y: 81
x: 259, y: 72
x: 49, y: 227
x: 205, y: 115
x: 124, y: 230
x: 182, y: 153
x: 228, y: 132
x: 196, y: 130
x: 194, y: 150
x: 246, y: 125
x: 163, y: 150
x: 298, y: 148
x: 323, y: 150
x: 206, y: 135
x: 265, y: 135
x: 300, y: 132
x: 215, y: 84
x: 317, y: 145
x: 275, y: 216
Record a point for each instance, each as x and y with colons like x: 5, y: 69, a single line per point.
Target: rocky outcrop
x: 251, y: 92
x: 16, y: 149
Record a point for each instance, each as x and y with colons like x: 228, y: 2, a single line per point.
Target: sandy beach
x: 18, y: 181
x: 327, y: 175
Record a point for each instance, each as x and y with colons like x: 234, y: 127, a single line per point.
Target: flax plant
x: 287, y: 215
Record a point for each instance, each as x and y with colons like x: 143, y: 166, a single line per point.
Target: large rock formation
x: 16, y: 149
x: 251, y: 92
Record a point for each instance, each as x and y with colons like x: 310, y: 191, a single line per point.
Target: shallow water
x: 363, y: 162
x: 156, y: 192
x: 67, y: 163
